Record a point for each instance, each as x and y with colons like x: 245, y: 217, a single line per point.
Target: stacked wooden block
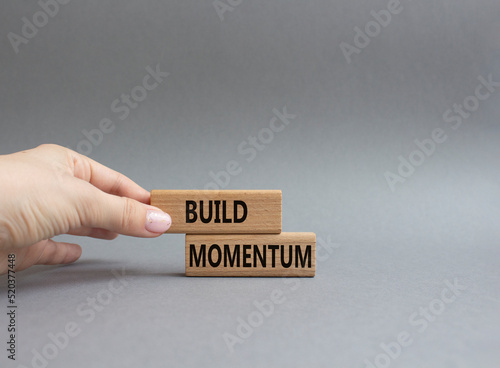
x: 236, y: 233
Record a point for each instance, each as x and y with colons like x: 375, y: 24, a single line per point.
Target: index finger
x: 108, y: 180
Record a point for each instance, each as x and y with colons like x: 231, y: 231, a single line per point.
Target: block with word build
x: 285, y: 254
x: 221, y: 211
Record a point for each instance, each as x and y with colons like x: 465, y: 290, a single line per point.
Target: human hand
x: 51, y: 190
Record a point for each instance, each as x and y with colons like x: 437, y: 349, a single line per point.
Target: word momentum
x: 221, y: 211
x: 285, y: 254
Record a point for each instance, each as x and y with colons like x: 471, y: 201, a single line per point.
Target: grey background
x: 390, y: 252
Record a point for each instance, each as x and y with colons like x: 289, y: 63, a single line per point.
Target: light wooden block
x: 285, y: 254
x: 221, y: 211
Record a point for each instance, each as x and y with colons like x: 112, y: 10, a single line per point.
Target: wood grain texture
x: 277, y: 255
x: 213, y: 211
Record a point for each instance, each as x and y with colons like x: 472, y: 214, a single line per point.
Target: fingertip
x: 112, y: 236
x: 144, y: 196
x: 157, y: 221
x: 94, y: 233
x: 104, y: 234
x: 73, y: 253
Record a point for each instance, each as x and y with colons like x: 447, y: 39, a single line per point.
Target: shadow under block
x: 221, y: 211
x: 285, y: 254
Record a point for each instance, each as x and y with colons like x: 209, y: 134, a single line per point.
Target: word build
x: 285, y: 254
x: 192, y: 215
x: 221, y: 211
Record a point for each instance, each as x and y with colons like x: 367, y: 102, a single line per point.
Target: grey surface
x: 390, y: 252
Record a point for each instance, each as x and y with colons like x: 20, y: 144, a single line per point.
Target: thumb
x: 124, y: 215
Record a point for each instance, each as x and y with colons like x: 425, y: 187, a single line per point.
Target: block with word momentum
x: 285, y: 254
x: 221, y: 211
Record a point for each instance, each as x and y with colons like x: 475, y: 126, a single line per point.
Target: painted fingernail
x: 157, y: 221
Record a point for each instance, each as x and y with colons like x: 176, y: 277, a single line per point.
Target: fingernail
x: 157, y: 221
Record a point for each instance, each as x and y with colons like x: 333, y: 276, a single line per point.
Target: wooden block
x: 221, y: 211
x: 285, y: 254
